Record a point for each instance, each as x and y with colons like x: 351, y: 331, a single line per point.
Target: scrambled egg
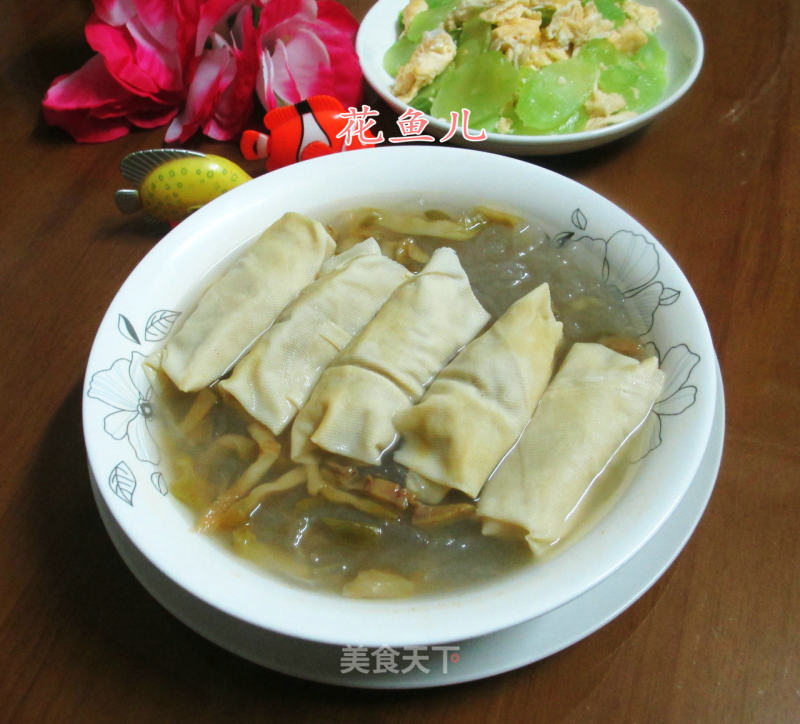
x: 429, y: 58
x: 575, y: 24
x: 605, y: 109
x: 628, y: 38
x: 645, y: 17
x: 521, y: 41
x: 462, y: 12
x: 410, y: 11
x: 520, y: 32
x: 510, y: 10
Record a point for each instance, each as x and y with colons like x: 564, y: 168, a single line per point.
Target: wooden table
x: 717, y: 639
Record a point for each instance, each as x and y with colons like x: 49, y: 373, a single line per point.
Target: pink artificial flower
x: 219, y: 99
x: 195, y: 64
x: 307, y: 49
x: 234, y: 107
x: 93, y: 107
x: 147, y: 54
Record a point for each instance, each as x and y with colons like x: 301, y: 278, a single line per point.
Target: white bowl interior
x: 678, y: 34
x: 174, y: 272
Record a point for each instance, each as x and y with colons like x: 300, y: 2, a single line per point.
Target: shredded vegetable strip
x: 240, y: 510
x: 240, y: 445
x: 201, y: 406
x: 387, y: 491
x: 246, y: 482
x: 365, y: 506
x: 315, y: 481
x: 318, y: 486
x: 415, y: 225
x: 263, y: 437
x: 440, y: 514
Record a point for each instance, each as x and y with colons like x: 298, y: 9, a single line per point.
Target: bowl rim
x: 542, y: 144
x: 330, y: 618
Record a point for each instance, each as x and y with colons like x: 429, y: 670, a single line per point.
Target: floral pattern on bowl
x: 125, y: 389
x: 630, y: 262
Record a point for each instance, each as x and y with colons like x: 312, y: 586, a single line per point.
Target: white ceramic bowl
x: 678, y: 34
x: 134, y: 488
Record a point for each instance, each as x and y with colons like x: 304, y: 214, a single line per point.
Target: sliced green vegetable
x: 576, y: 122
x: 398, y: 55
x: 476, y: 34
x: 601, y: 52
x: 550, y: 100
x: 424, y: 99
x: 640, y: 79
x: 483, y: 83
x: 429, y: 19
x: 611, y: 10
x: 554, y: 94
x: 547, y: 13
x: 653, y: 59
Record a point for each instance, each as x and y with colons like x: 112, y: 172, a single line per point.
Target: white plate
x: 478, y: 658
x: 679, y: 35
x: 134, y: 482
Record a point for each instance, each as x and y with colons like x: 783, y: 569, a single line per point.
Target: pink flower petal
x: 155, y: 66
x: 160, y: 19
x: 79, y: 103
x: 150, y: 51
x: 84, y: 128
x: 294, y: 34
x: 119, y: 52
x: 284, y: 88
x: 91, y: 85
x: 213, y: 74
x: 160, y: 62
x: 235, y: 105
x: 211, y: 13
x: 337, y: 29
x: 115, y: 12
x: 306, y: 55
x: 265, y: 82
x: 276, y: 12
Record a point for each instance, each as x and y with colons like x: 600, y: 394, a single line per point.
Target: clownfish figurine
x: 310, y: 128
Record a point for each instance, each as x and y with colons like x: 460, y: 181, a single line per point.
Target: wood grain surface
x: 716, y: 639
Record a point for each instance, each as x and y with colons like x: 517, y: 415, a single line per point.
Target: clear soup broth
x: 359, y: 530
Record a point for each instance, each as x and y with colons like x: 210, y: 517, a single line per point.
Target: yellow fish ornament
x: 172, y: 182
